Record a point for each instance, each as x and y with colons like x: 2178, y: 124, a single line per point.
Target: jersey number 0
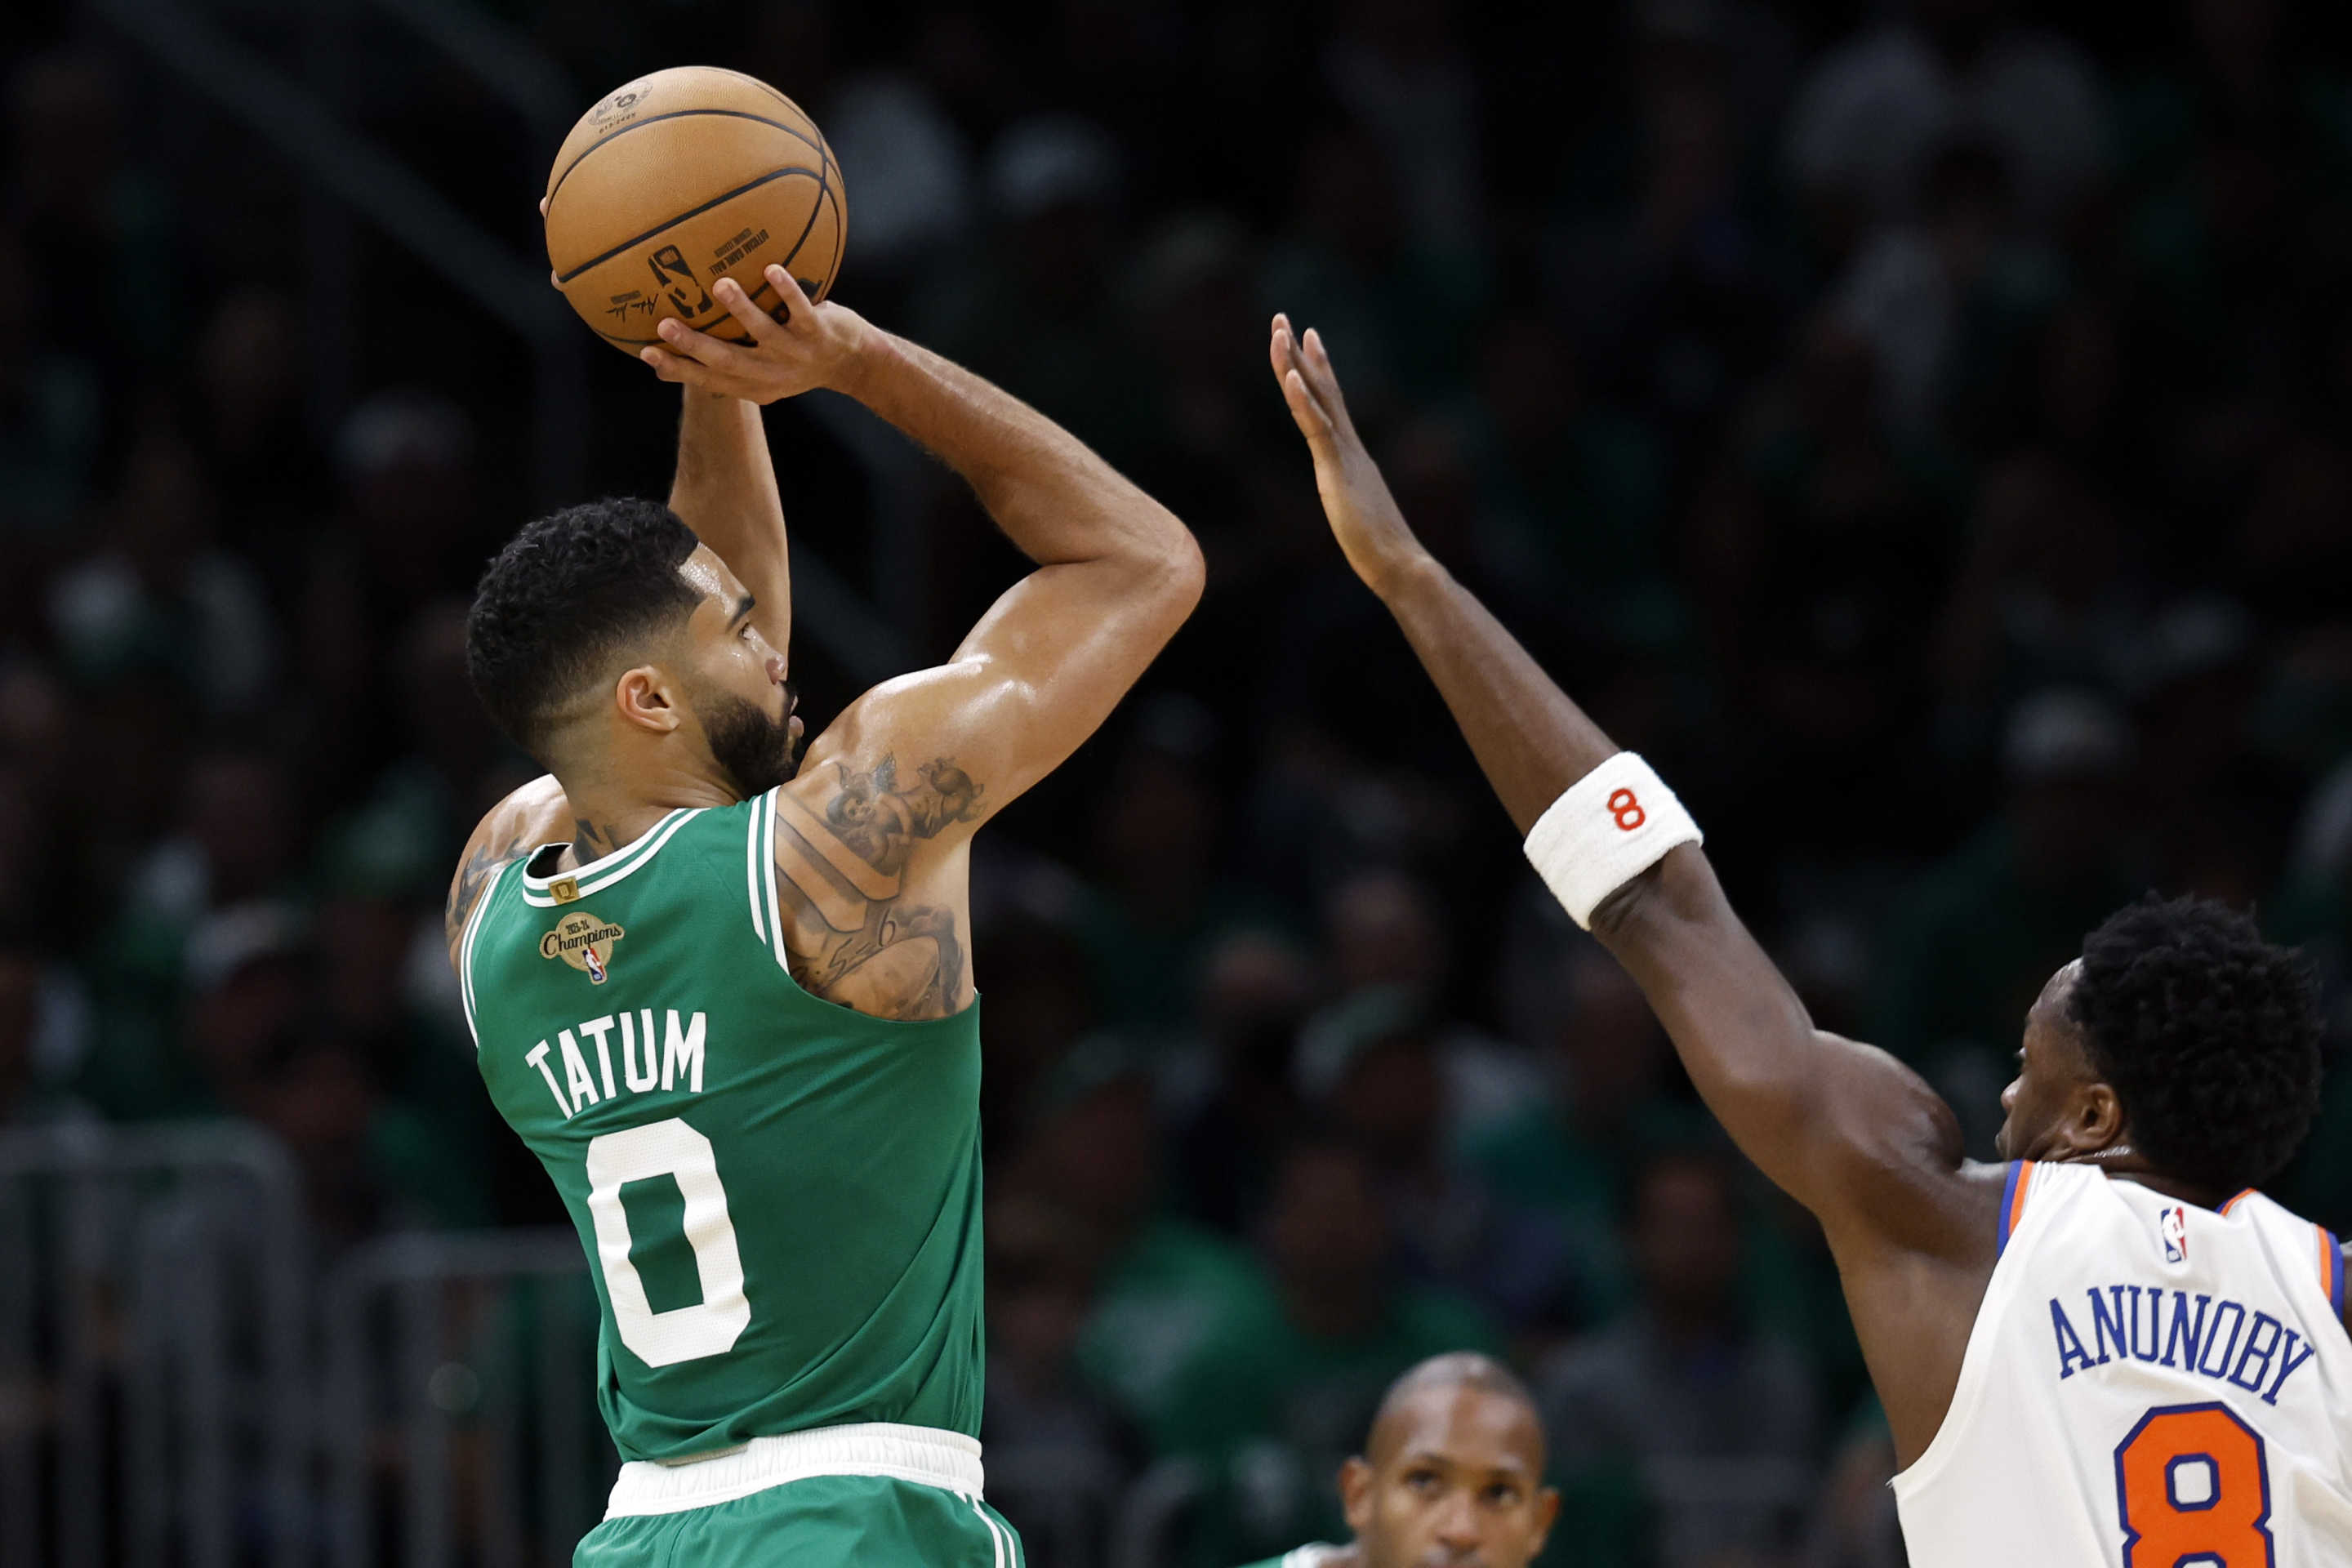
x: 2193, y: 1487
x: 708, y: 1327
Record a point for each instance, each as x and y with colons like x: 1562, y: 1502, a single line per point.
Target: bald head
x: 1445, y: 1376
x: 1452, y: 1475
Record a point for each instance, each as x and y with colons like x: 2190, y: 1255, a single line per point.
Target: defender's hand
x: 812, y: 346
x: 1364, y: 518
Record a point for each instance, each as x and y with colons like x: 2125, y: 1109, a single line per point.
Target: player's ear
x: 642, y: 694
x: 2097, y: 1122
x: 1356, y: 1494
x: 1547, y: 1512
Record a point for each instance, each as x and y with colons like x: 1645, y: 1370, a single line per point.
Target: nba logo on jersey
x: 2174, y: 1224
x: 596, y: 978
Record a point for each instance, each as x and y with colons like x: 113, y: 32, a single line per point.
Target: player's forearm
x: 726, y: 490
x: 1053, y: 497
x: 1741, y: 1030
x: 1528, y: 737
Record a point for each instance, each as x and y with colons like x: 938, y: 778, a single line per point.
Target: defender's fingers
x: 738, y: 300
x: 792, y: 306
x: 1312, y: 422
x: 1280, y: 349
x: 1317, y: 361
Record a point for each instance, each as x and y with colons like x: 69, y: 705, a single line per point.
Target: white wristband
x: 1605, y: 829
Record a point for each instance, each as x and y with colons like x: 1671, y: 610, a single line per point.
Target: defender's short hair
x: 570, y: 595
x: 2208, y: 1035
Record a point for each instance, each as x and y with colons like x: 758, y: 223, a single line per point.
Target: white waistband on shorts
x: 927, y: 1454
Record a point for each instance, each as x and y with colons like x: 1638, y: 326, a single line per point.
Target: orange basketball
x: 682, y: 177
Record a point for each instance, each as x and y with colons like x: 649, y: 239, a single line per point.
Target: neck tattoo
x: 2116, y: 1151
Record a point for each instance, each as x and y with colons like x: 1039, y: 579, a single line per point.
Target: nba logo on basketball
x: 2174, y: 1224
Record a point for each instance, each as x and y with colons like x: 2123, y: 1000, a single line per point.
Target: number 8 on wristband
x: 1605, y: 829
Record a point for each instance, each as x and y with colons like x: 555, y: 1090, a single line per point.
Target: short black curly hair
x: 2208, y: 1035
x: 569, y: 595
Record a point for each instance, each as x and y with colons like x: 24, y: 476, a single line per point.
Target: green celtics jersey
x: 781, y: 1196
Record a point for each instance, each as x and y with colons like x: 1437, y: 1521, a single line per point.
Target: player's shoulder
x: 527, y: 815
x: 530, y: 815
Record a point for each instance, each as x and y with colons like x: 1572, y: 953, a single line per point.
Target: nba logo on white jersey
x: 2174, y: 1224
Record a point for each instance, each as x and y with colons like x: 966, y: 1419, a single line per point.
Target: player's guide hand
x: 1364, y: 517
x: 812, y: 346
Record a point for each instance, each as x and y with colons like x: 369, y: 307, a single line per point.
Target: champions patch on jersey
x: 585, y: 942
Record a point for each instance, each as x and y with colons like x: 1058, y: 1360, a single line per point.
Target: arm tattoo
x: 872, y: 814
x: 474, y: 875
x: 855, y: 940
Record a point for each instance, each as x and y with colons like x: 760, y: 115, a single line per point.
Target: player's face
x: 2051, y: 1067
x: 735, y: 682
x: 1455, y: 1480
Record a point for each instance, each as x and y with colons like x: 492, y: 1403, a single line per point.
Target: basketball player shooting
x: 2109, y: 1349
x: 731, y: 1004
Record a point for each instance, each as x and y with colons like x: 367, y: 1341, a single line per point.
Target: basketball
x: 678, y: 179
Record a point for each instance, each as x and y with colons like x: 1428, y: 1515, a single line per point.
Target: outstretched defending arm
x: 1116, y: 572
x: 1846, y: 1130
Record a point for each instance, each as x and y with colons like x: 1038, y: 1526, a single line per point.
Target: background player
x: 1451, y: 1473
x: 733, y: 1014
x: 2109, y: 1347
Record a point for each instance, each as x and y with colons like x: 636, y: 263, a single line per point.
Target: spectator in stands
x: 1867, y: 118
x: 1301, y: 1356
x: 1717, y: 1418
x: 1061, y: 1452
x: 1960, y: 966
x: 1233, y: 1123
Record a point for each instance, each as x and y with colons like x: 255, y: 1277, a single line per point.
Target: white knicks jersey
x: 2149, y: 1384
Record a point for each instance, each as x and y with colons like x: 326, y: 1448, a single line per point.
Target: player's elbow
x: 1186, y: 571
x: 1166, y: 572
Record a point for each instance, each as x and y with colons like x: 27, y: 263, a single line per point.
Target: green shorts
x: 822, y: 1522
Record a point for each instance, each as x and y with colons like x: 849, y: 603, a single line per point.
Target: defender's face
x: 1455, y: 1480
x: 2051, y: 1067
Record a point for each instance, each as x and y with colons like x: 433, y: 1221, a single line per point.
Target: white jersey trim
x: 466, y: 953
x: 927, y: 1455
x: 752, y: 848
x: 768, y: 874
x: 606, y: 869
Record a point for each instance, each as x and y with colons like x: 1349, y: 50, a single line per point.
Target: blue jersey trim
x: 2009, y: 1206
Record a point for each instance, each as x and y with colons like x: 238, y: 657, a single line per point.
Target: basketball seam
x: 824, y: 153
x: 676, y: 218
x: 824, y: 184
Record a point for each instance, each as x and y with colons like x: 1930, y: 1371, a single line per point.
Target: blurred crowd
x: 1924, y: 429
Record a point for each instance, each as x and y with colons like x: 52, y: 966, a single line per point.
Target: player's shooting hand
x: 812, y: 346
x: 1364, y: 518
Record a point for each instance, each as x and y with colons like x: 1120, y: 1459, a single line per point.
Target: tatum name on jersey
x: 781, y: 1196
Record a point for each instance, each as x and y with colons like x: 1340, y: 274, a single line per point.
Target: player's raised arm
x: 725, y: 489
x: 1845, y: 1129
x: 1116, y: 572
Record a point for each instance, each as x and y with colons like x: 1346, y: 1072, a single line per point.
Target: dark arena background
x: 1923, y: 430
